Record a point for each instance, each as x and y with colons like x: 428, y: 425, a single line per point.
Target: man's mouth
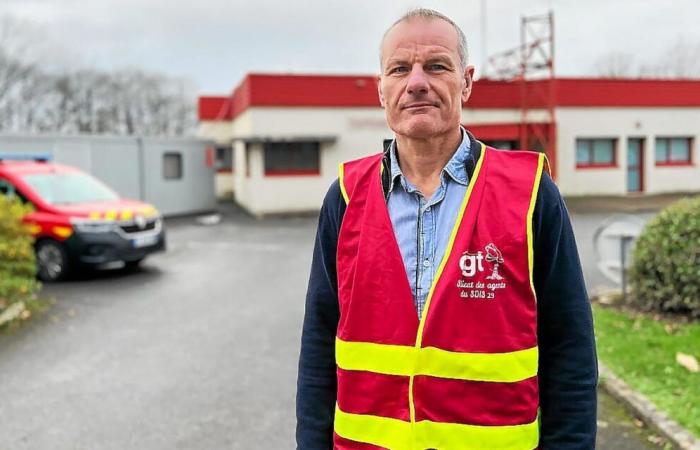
x: 419, y: 105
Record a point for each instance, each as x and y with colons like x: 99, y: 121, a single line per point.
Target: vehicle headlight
x: 92, y: 226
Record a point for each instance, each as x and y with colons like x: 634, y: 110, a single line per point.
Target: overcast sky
x: 216, y: 42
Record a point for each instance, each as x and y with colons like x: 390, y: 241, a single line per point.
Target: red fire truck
x: 77, y: 220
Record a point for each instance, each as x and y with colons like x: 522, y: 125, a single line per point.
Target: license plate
x: 144, y: 241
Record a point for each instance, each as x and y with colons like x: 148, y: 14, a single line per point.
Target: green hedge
x: 18, y: 285
x: 665, y: 271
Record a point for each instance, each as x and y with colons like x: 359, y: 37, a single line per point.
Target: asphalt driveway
x: 197, y: 350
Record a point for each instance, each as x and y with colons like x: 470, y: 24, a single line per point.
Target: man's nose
x: 417, y: 81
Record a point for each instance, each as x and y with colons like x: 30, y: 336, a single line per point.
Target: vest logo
x: 472, y: 263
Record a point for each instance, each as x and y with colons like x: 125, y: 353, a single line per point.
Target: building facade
x: 280, y: 138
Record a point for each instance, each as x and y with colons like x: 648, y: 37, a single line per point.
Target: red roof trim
x: 360, y: 91
x: 214, y: 108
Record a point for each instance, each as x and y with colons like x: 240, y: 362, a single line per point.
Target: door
x: 635, y: 165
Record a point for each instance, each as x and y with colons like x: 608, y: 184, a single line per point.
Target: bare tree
x: 616, y: 65
x: 15, y: 66
x: 682, y: 60
x: 121, y: 102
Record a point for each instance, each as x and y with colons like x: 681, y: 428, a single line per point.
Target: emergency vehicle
x: 78, y: 221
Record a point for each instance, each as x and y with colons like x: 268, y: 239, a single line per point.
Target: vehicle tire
x: 51, y: 261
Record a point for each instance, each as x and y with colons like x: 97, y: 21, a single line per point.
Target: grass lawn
x: 642, y: 351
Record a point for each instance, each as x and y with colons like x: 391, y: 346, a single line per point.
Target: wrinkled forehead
x: 419, y: 34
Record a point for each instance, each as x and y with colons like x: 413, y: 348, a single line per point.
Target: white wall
x: 218, y: 131
x: 623, y: 123
x: 223, y: 184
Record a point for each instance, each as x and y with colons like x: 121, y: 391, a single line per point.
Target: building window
x: 172, y: 166
x: 224, y: 159
x: 292, y: 158
x: 673, y: 151
x: 591, y: 153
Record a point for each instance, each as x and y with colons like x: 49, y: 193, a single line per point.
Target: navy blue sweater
x: 568, y: 372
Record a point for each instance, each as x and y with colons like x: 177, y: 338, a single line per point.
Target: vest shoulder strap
x: 351, y: 171
x: 524, y: 155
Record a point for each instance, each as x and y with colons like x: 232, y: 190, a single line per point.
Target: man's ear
x: 468, y: 83
x: 379, y: 91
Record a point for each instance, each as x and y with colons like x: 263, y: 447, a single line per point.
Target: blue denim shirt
x: 423, y: 226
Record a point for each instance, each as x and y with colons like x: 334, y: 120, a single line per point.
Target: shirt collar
x: 455, y: 167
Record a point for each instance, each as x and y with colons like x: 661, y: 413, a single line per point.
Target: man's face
x: 422, y: 85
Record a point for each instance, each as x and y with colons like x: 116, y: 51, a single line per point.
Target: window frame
x: 591, y: 164
x: 667, y: 162
x: 181, y: 167
x: 271, y: 172
x: 224, y: 159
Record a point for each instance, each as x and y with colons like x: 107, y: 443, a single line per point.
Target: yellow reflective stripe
x: 341, y: 181
x: 379, y: 358
x: 385, y: 432
x: 452, y: 436
x: 530, y: 211
x: 95, y: 215
x: 396, y: 434
x: 495, y: 367
x: 111, y: 214
x: 403, y: 360
x: 127, y: 214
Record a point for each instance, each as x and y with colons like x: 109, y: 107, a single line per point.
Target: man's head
x: 425, y: 76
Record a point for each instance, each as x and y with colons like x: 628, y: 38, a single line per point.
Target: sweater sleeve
x: 316, y: 381
x: 568, y: 373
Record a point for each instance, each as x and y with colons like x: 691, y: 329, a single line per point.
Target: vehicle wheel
x: 51, y: 260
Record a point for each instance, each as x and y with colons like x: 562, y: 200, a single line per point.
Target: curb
x: 641, y: 407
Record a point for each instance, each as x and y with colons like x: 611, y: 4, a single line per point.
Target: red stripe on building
x: 214, y: 108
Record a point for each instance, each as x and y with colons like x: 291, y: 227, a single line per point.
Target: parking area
x: 196, y: 350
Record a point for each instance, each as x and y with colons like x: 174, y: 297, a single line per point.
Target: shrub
x: 18, y: 285
x: 665, y: 271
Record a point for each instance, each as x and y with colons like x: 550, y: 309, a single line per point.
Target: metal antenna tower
x: 532, y: 66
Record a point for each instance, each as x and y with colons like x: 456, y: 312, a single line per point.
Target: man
x: 446, y: 307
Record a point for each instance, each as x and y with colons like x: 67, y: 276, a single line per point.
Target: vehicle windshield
x: 71, y: 187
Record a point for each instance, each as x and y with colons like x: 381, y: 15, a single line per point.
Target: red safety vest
x: 464, y: 375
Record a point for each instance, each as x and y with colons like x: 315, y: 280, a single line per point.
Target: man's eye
x: 399, y: 69
x: 437, y: 67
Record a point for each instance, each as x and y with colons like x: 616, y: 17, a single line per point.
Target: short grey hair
x: 431, y: 14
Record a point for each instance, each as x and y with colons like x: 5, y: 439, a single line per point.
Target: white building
x: 281, y: 137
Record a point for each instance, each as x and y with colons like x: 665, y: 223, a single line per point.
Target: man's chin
x: 419, y: 129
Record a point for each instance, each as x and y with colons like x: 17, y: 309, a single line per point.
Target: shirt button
x: 426, y: 263
x: 427, y: 209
